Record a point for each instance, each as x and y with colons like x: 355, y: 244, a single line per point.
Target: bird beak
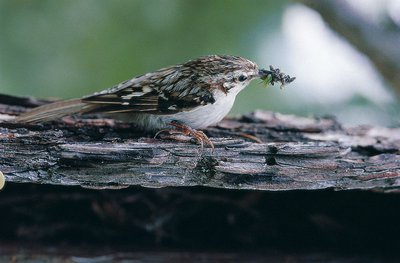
x: 263, y: 73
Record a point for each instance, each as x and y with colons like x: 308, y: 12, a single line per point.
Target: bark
x: 295, y: 153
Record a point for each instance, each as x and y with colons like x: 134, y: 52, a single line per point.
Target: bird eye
x: 242, y: 78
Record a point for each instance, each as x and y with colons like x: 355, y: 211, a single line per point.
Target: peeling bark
x: 296, y: 153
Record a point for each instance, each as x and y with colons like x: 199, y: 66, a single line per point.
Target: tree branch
x: 379, y: 43
x: 297, y: 153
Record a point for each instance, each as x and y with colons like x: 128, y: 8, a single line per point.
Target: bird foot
x: 182, y: 131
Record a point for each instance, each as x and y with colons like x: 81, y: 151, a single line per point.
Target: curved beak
x: 263, y: 73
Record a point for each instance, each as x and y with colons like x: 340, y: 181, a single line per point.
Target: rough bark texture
x: 296, y: 153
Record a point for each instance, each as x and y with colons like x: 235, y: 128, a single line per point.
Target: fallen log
x: 261, y: 151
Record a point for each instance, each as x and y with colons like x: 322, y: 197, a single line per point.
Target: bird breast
x: 207, y: 115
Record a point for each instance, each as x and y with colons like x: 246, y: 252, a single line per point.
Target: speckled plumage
x: 174, y: 89
x: 198, y: 93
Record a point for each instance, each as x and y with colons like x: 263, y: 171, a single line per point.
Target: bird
x: 182, y: 98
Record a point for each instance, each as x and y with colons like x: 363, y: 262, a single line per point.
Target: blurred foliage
x: 71, y: 47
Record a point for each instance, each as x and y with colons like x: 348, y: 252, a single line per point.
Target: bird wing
x: 166, y: 91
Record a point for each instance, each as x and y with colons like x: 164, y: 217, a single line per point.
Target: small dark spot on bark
x: 272, y: 149
x: 270, y: 160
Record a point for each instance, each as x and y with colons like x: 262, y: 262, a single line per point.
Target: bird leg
x: 182, y: 129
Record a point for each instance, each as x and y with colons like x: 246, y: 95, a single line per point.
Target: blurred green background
x: 71, y: 48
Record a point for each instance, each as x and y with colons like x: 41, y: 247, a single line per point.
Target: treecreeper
x: 179, y: 99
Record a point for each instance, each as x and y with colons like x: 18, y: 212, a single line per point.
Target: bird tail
x: 52, y: 111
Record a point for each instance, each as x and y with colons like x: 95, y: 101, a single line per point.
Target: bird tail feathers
x: 52, y: 111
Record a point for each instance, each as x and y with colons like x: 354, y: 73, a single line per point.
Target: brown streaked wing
x: 143, y: 95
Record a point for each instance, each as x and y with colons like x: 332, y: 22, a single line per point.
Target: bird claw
x: 185, y: 130
x: 199, y: 136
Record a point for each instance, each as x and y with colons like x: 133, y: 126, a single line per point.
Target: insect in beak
x: 274, y: 75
